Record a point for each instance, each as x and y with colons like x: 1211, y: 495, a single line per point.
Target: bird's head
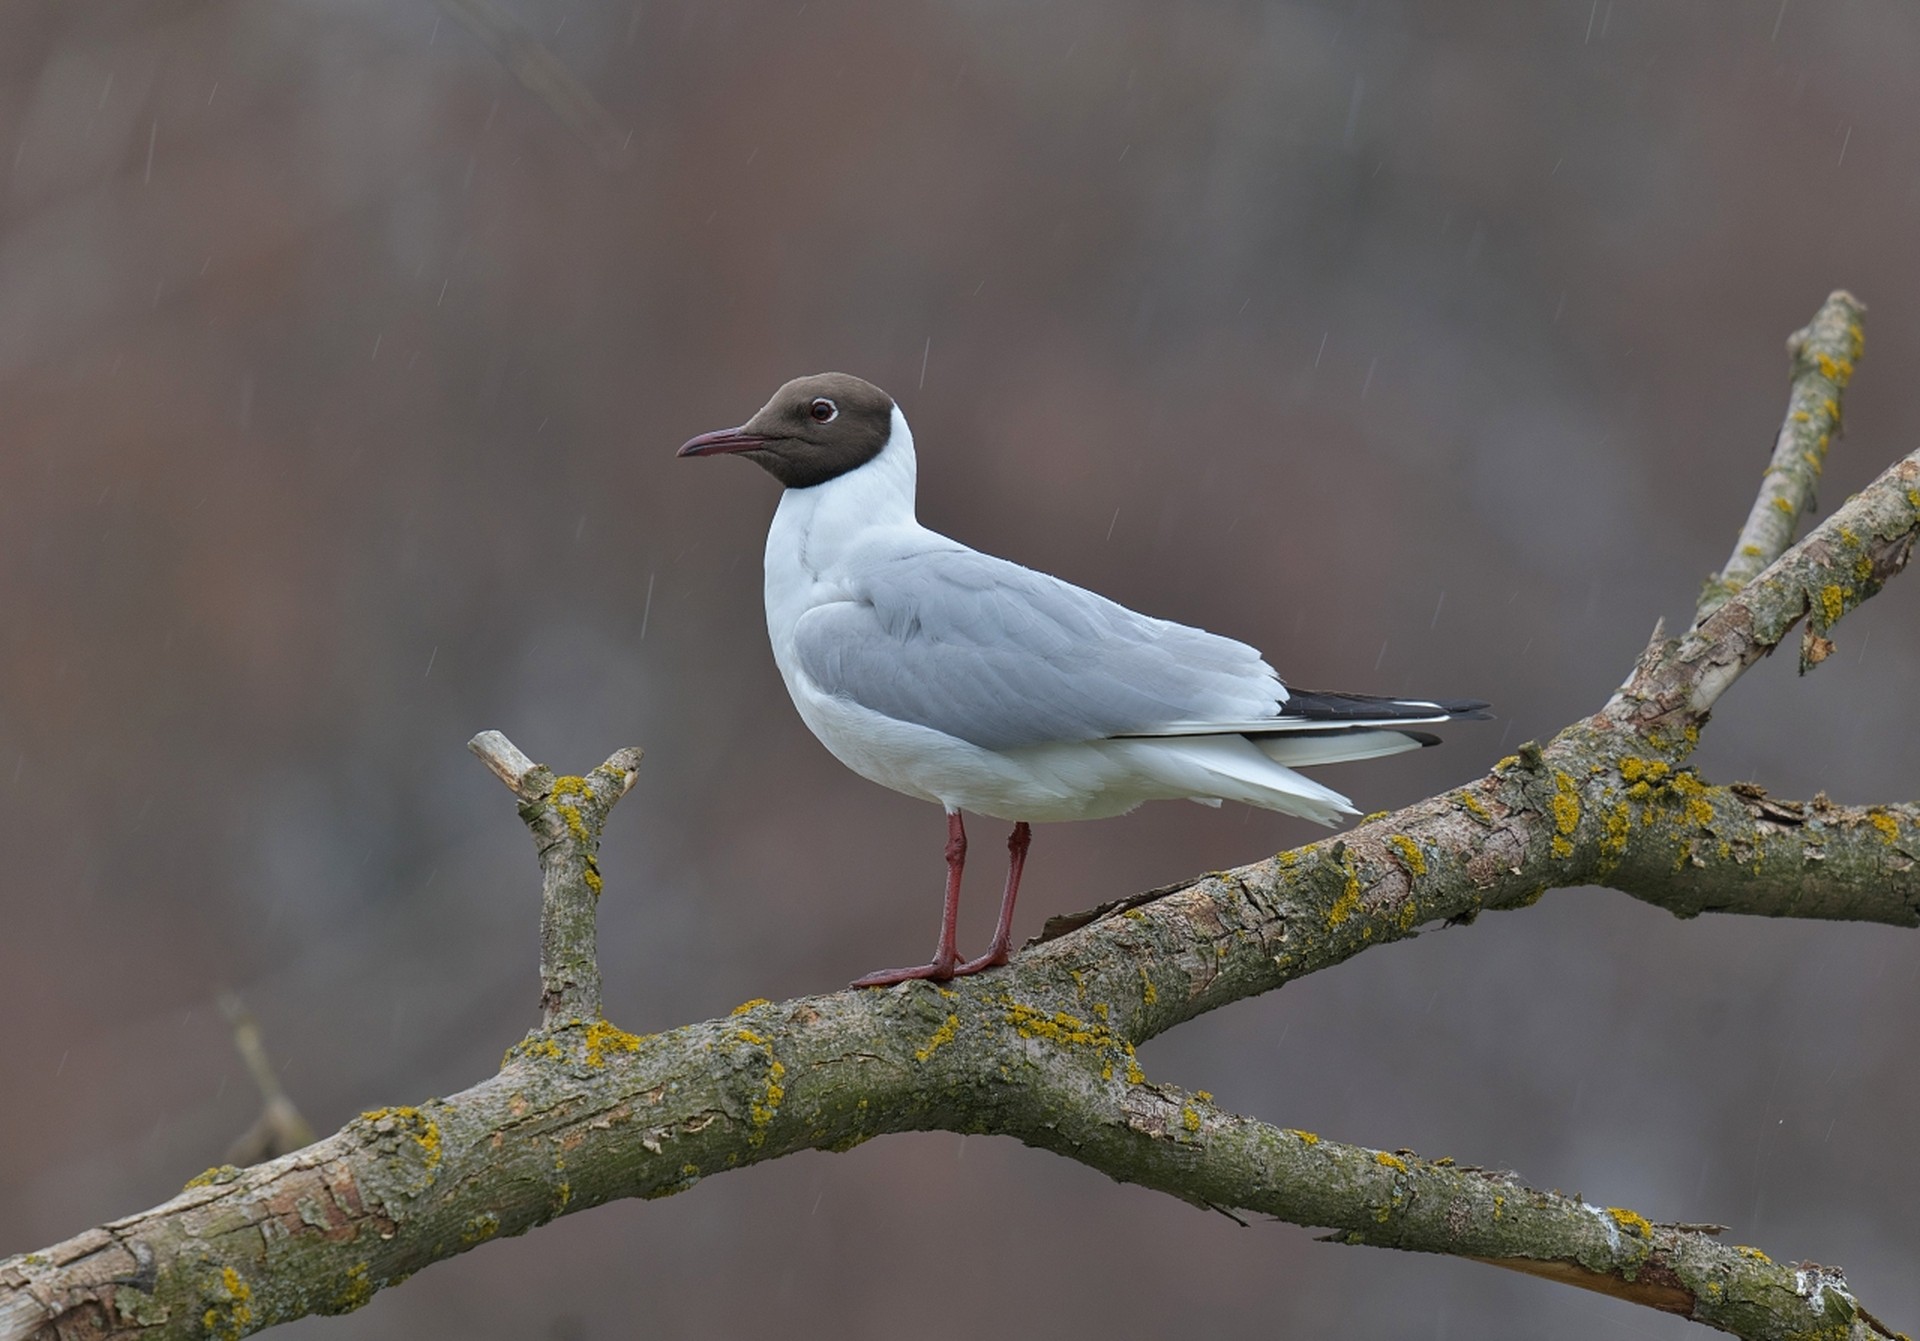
x: 814, y: 429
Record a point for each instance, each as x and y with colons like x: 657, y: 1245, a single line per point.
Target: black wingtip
x: 1348, y: 707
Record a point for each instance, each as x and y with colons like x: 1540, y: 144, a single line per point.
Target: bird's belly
x: 1040, y: 784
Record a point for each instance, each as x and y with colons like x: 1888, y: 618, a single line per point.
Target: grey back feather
x: 1002, y: 656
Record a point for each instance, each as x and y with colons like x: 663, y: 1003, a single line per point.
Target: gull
x: 975, y: 683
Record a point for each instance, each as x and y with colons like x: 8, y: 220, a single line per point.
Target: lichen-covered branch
x: 1182, y: 1144
x: 1043, y: 1049
x: 1823, y: 352
x: 566, y: 815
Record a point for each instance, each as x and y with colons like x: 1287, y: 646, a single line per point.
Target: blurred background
x: 1433, y: 348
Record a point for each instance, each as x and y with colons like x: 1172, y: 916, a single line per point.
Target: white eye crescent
x: 823, y: 411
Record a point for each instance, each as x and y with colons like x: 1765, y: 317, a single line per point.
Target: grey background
x: 1431, y: 347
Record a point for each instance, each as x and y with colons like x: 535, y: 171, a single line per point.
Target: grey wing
x: 1002, y: 656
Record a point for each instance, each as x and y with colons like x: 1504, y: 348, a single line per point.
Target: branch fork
x: 566, y: 815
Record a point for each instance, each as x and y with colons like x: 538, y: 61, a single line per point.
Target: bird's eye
x: 824, y: 411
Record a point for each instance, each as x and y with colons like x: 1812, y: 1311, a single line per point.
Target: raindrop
x: 153, y: 133
x: 646, y: 612
x: 430, y: 660
x: 1323, y: 348
x: 1383, y: 654
x: 925, y: 354
x: 1115, y: 522
x: 1436, y: 611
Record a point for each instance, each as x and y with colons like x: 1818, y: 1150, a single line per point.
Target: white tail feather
x: 1305, y: 751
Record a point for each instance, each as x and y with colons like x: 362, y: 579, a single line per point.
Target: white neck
x: 814, y: 527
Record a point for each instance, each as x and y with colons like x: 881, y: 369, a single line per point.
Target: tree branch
x: 1043, y: 1049
x: 566, y: 816
x: 1823, y: 354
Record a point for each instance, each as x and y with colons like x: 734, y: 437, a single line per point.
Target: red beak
x: 722, y: 441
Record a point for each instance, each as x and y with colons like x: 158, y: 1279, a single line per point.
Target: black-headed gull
x: 970, y: 681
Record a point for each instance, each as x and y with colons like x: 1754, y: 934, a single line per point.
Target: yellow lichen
x: 1148, y: 992
x: 1631, y: 1221
x: 423, y: 1129
x: 1348, y: 903
x: 764, y: 1110
x: 1833, y: 604
x: 480, y: 1228
x: 1507, y: 762
x: 219, y: 1173
x: 1566, y: 813
x: 1190, y: 1119
x: 1204, y: 1096
x: 1471, y: 804
x: 1304, y: 1137
x: 1693, y: 795
x: 534, y: 1047
x: 355, y: 1292
x: 231, y: 1315
x: 1888, y: 826
x: 746, y: 1006
x: 1835, y: 370
x: 1390, y: 1161
x: 1058, y: 1027
x: 1754, y: 1253
x: 1619, y: 828
x: 1639, y: 770
x: 1410, y: 856
x: 941, y: 1037
x: 603, y: 1038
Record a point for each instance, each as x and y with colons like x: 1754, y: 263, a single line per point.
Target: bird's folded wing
x: 1003, y: 657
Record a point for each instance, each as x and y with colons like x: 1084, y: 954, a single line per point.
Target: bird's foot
x: 935, y: 972
x: 888, y: 977
x: 993, y: 958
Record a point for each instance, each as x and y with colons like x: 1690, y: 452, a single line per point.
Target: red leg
x: 1002, y: 944
x: 946, y: 955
